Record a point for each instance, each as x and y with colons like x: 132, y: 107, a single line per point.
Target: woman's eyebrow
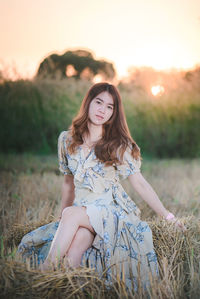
x: 103, y: 101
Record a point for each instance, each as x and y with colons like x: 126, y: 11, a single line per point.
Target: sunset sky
x: 159, y: 33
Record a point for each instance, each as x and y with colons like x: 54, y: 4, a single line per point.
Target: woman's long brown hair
x: 115, y: 136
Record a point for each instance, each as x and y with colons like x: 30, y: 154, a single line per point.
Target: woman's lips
x: 100, y: 117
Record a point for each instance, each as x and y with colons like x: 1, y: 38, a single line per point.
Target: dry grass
x: 79, y: 283
x: 29, y: 200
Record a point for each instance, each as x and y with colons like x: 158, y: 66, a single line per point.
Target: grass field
x: 30, y: 195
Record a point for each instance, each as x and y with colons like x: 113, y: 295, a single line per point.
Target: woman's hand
x: 176, y: 221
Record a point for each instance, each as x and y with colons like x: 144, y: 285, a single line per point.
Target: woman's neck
x: 95, y: 133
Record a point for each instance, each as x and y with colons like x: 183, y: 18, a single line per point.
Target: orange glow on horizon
x: 153, y: 34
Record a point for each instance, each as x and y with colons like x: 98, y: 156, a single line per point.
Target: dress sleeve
x: 129, y: 165
x: 62, y: 154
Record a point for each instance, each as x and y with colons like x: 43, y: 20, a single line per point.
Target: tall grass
x: 165, y: 126
x: 32, y: 114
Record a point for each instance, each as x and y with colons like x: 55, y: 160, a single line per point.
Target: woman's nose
x: 102, y: 109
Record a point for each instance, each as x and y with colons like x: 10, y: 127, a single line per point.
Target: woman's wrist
x: 164, y: 213
x: 167, y: 215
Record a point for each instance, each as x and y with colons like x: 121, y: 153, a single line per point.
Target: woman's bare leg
x: 72, y: 218
x: 81, y: 242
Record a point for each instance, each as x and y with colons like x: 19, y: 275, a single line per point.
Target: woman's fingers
x: 178, y: 224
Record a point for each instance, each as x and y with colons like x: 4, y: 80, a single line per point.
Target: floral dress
x: 123, y: 243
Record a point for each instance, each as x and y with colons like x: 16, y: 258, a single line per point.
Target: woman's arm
x: 144, y: 189
x: 67, y: 192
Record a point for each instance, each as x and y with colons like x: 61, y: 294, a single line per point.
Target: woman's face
x: 101, y: 108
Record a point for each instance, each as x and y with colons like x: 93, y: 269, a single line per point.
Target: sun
x: 97, y: 79
x: 157, y: 90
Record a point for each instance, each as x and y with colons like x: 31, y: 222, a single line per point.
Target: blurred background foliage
x: 34, y: 112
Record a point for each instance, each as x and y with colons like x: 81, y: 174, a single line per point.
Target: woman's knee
x: 78, y: 216
x: 70, y: 212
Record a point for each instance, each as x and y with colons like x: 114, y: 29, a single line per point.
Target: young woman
x: 99, y: 223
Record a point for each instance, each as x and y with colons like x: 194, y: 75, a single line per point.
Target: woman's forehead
x: 106, y: 97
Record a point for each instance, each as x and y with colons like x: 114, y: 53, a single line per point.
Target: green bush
x: 33, y: 113
x: 166, y: 132
x: 167, y: 126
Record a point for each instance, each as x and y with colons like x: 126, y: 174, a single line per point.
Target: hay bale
x: 170, y: 241
x: 178, y: 256
x: 20, y: 282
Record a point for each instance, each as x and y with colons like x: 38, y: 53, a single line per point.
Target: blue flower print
x: 124, y: 247
x: 104, y: 222
x: 140, y: 238
x: 31, y: 233
x: 142, y: 227
x: 151, y: 256
x: 107, y: 254
x: 98, y: 168
x: 129, y: 225
x: 48, y: 238
x: 106, y: 237
x: 133, y: 254
x: 124, y: 195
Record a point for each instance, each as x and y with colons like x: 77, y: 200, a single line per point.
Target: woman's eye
x: 110, y: 107
x: 98, y: 102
